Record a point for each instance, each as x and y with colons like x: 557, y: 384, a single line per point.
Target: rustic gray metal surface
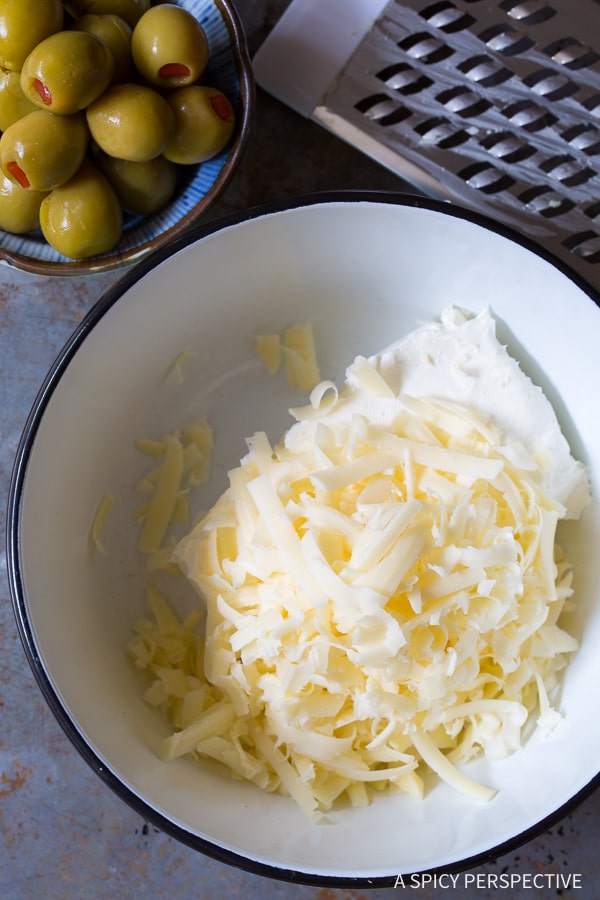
x: 63, y: 834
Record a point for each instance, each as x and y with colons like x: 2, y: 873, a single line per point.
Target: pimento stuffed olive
x: 41, y: 150
x: 19, y: 207
x: 13, y: 102
x: 169, y: 46
x: 67, y: 71
x: 82, y: 217
x: 204, y: 123
x: 116, y: 34
x: 142, y: 187
x: 131, y: 121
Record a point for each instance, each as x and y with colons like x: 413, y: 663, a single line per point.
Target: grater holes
x: 532, y: 12
x: 550, y: 84
x: 508, y: 147
x: 592, y: 104
x: 506, y: 40
x: 381, y: 109
x: 395, y: 117
x: 593, y: 212
x: 585, y: 245
x: 441, y: 132
x: 566, y: 170
x: 543, y: 201
x: 404, y: 79
x: 375, y: 106
x: 585, y: 138
x: 426, y: 48
x: 445, y: 16
x: 464, y: 102
x: 540, y: 71
x: 486, y: 178
x: 484, y: 70
x: 529, y: 115
x: 572, y: 54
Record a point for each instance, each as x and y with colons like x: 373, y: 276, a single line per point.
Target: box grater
x: 494, y: 104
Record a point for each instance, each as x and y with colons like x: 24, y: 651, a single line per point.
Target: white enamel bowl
x: 363, y: 269
x: 230, y: 70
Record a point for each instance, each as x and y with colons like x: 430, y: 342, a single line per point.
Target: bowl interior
x: 229, y: 69
x: 363, y: 273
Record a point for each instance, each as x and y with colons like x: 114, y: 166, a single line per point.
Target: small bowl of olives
x: 121, y: 122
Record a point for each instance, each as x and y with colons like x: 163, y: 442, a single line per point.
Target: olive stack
x: 100, y: 102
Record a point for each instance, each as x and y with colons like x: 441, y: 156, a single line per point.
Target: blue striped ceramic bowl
x: 229, y: 70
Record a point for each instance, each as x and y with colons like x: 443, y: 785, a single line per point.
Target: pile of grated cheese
x: 382, y: 588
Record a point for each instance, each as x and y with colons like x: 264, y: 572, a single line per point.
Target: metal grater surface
x: 498, y: 101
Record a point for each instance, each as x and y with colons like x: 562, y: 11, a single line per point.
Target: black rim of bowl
x: 13, y: 538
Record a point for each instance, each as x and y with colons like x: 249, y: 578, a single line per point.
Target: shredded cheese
x: 176, y: 369
x: 295, y: 348
x: 268, y: 347
x: 342, y: 609
x: 380, y: 600
x: 102, y: 511
x: 300, y: 357
x: 183, y: 462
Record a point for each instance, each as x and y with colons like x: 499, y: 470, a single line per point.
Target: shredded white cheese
x: 382, y: 591
x: 102, y: 511
x: 295, y: 348
x: 176, y: 369
x: 268, y: 347
x: 182, y: 463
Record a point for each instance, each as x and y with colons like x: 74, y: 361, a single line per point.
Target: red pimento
x: 43, y: 92
x: 18, y: 174
x: 174, y: 70
x: 221, y: 106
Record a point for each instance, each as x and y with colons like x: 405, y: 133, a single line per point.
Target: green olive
x: 142, y: 187
x: 19, y: 207
x: 23, y: 26
x: 13, y: 102
x: 82, y: 218
x: 130, y: 10
x: 131, y: 121
x: 204, y: 123
x: 116, y: 34
x: 169, y: 46
x: 42, y: 150
x: 67, y: 71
